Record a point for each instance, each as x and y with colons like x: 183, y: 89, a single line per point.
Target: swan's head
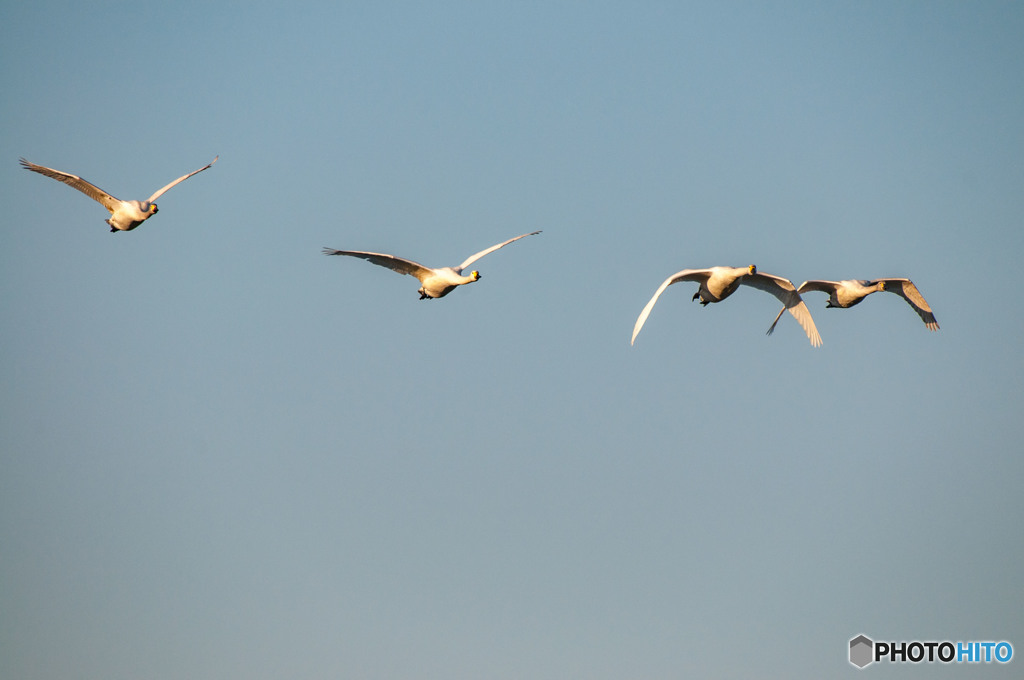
x: 149, y: 208
x: 474, y: 275
x: 881, y: 285
x: 753, y: 269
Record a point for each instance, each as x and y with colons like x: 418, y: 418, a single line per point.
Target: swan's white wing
x: 181, y: 179
x: 87, y: 188
x: 473, y: 258
x: 398, y: 264
x: 784, y: 290
x: 816, y: 284
x: 906, y: 289
x: 774, y: 323
x: 684, y: 275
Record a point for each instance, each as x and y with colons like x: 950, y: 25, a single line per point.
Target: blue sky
x: 223, y: 454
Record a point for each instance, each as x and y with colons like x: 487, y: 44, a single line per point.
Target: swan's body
x: 718, y: 283
x: 434, y: 283
x: 124, y: 215
x: 845, y: 294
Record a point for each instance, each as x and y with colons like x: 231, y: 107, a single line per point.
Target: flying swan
x: 124, y: 215
x: 845, y: 294
x: 435, y: 283
x: 718, y: 283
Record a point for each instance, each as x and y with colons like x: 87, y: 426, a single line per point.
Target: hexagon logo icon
x: 861, y: 651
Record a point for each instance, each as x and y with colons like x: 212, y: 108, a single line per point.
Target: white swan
x: 436, y: 283
x: 124, y: 215
x: 848, y: 293
x: 718, y: 283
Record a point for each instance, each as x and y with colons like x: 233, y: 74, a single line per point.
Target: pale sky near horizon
x: 223, y: 454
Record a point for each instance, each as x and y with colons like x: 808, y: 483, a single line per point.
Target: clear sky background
x: 223, y: 454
